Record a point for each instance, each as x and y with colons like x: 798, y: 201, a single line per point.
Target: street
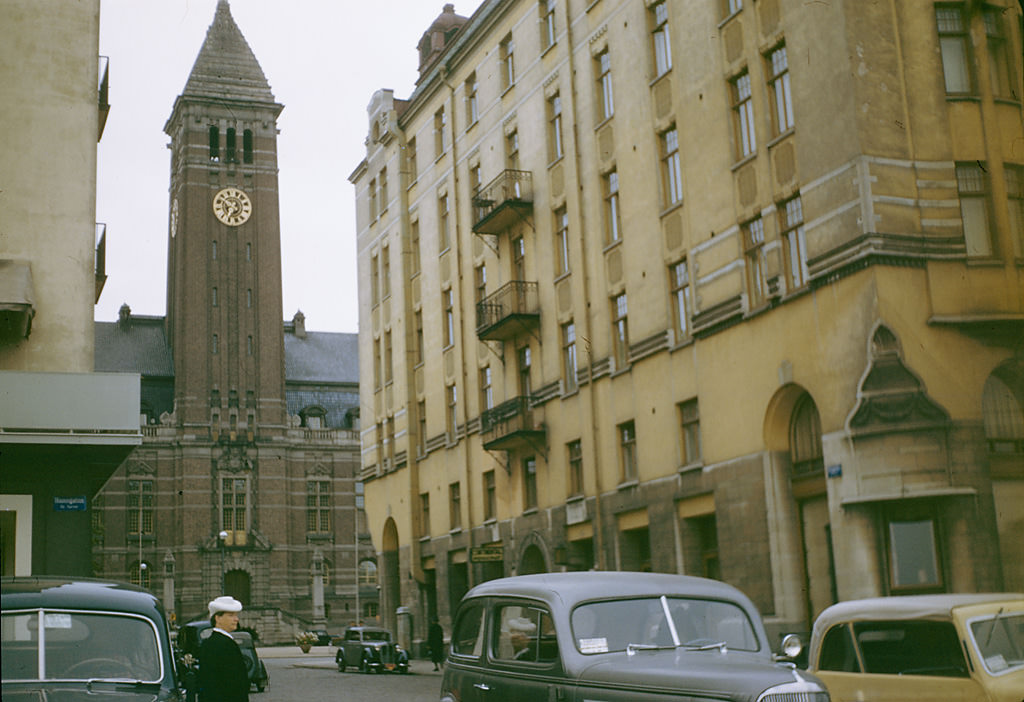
x: 313, y: 676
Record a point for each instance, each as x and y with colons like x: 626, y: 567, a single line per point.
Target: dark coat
x: 435, y: 641
x: 222, y: 674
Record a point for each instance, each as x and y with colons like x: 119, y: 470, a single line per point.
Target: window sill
x: 562, y: 276
x: 964, y: 97
x: 469, y: 127
x: 990, y: 261
x: 440, y: 156
x: 654, y: 81
x: 729, y: 18
x: 622, y: 371
x: 529, y: 511
x: 575, y: 499
x: 679, y: 346
x: 572, y: 392
x: 670, y: 209
x: 548, y: 49
x: 507, y: 89
x: 455, y: 531
x: 490, y: 521
x: 691, y: 467
x: 628, y: 484
x: 611, y: 245
x: 742, y: 162
x: 781, y: 137
x: 552, y: 164
x: 603, y: 122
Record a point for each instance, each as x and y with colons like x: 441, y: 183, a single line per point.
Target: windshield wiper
x: 705, y: 645
x: 632, y: 648
x: 995, y: 622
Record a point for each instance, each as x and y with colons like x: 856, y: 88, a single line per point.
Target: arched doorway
x: 390, y: 577
x: 238, y: 584
x: 532, y: 561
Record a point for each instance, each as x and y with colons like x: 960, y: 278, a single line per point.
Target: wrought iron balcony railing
x: 512, y: 310
x: 504, y: 201
x: 511, y: 425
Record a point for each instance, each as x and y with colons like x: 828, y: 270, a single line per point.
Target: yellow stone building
x: 710, y: 287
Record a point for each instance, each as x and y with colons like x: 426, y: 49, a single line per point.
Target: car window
x: 1000, y: 639
x: 467, y: 637
x: 351, y: 635
x: 524, y: 633
x: 910, y: 648
x: 645, y: 622
x: 838, y: 652
x: 79, y: 646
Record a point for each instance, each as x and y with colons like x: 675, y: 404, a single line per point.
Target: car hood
x: 739, y: 675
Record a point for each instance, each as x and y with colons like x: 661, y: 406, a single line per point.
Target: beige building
x: 718, y: 287
x: 63, y: 428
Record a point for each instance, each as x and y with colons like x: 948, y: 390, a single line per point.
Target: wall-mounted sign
x: 835, y: 471
x: 69, y: 504
x: 487, y: 554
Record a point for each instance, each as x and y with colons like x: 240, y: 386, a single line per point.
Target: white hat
x: 224, y: 603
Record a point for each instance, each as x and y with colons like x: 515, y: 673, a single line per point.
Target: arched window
x: 367, y: 573
x: 805, y: 438
x: 314, y: 417
x: 247, y: 146
x: 1003, y: 416
x: 229, y: 151
x: 214, y: 143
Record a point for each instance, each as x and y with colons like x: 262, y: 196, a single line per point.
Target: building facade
x: 64, y: 429
x: 721, y: 288
x: 246, y: 480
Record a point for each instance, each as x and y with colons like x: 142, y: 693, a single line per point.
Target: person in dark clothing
x: 435, y: 640
x: 222, y: 674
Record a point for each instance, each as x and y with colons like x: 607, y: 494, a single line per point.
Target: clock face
x: 174, y: 217
x: 232, y: 206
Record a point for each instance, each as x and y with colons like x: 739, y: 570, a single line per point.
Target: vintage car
x: 191, y: 635
x: 615, y: 636
x: 922, y: 647
x: 370, y: 649
x: 76, y: 638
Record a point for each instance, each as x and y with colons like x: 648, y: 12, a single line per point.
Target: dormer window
x: 314, y: 417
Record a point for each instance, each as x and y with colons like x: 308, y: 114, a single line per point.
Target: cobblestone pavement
x: 313, y: 676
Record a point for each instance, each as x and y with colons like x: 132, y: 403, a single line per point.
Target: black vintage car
x: 615, y: 636
x: 75, y: 638
x: 371, y: 650
x: 191, y: 635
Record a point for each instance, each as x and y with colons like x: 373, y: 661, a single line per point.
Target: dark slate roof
x: 226, y: 67
x: 321, y: 357
x: 136, y: 346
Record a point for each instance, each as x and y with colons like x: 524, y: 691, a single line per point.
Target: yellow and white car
x: 922, y: 647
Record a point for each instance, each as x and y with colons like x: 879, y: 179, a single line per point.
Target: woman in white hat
x: 222, y: 674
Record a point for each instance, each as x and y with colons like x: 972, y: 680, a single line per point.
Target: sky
x: 324, y: 59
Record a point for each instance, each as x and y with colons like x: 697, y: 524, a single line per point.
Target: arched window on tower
x: 805, y: 438
x: 214, y: 143
x: 229, y: 151
x: 247, y: 146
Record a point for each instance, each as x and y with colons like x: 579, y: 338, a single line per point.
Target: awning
x: 17, y: 301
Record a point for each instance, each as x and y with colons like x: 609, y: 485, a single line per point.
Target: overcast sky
x: 323, y: 59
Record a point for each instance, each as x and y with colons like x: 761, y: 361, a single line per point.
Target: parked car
x: 322, y: 637
x: 371, y: 649
x: 191, y: 635
x: 615, y: 636
x: 948, y: 647
x: 73, y: 638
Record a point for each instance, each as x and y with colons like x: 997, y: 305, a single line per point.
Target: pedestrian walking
x: 222, y: 673
x: 435, y: 641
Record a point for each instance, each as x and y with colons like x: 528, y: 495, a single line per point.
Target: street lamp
x: 223, y: 536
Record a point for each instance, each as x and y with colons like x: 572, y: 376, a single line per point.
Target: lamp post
x: 223, y: 537
x: 355, y: 550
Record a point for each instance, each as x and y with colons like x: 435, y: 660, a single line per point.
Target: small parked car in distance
x: 967, y: 647
x: 615, y: 636
x: 78, y: 638
x: 371, y: 650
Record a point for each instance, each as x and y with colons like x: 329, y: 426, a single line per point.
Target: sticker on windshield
x: 57, y: 621
x: 996, y: 663
x: 599, y: 645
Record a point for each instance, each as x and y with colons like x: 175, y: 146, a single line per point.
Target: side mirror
x: 792, y: 647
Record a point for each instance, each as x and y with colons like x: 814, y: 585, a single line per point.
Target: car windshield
x: 661, y: 622
x: 1000, y: 639
x: 69, y: 645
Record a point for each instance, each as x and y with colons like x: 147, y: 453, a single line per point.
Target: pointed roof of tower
x: 226, y: 67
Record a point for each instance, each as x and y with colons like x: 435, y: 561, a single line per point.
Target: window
x: 555, y: 150
x: 778, y: 87
x: 448, y: 305
x: 731, y: 7
x: 620, y: 331
x: 569, y: 368
x: 248, y: 251
x: 249, y: 348
x: 523, y: 362
x: 248, y: 298
x: 139, y: 513
x: 439, y: 138
x: 374, y: 207
x: 913, y: 555
x: 998, y: 59
x: 1003, y: 415
x: 489, y: 496
x: 1015, y: 193
x: 486, y: 389
x: 247, y: 146
x: 605, y: 101
x: 214, y: 144
x: 374, y: 280
x: 530, y: 483
x: 523, y: 633
x: 672, y: 178
x: 424, y: 514
x: 418, y: 322
x: 805, y: 451
x: 518, y: 259
x: 377, y: 373
x: 660, y: 38
x: 410, y: 159
x: 367, y: 573
x: 689, y: 432
x: 452, y: 415
x: 743, y: 115
x: 547, y: 24
x: 230, y: 143
x: 388, y: 365
x: 472, y: 106
x: 382, y: 184
x: 385, y: 271
x: 213, y: 297
x: 414, y: 242
x: 612, y: 218
x: 506, y: 54
x: 972, y: 185
x: 753, y: 245
x: 443, y: 236
x: 234, y: 494
x: 468, y: 635
x: 141, y: 575
x: 679, y: 289
x: 512, y: 150
x: 455, y: 505
x: 480, y: 282
x: 215, y: 344
x: 421, y: 423
x: 627, y: 451
x: 318, y: 506
x: 953, y: 43
x: 575, y: 451
x: 561, y: 241
x: 213, y: 250
x: 791, y: 223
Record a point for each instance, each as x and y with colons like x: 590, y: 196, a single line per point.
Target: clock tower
x: 224, y: 308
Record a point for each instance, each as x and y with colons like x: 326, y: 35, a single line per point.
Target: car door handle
x: 482, y: 686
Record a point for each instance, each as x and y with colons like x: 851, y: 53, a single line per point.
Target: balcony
x: 104, y: 93
x: 511, y: 425
x: 512, y: 310
x: 503, y: 202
